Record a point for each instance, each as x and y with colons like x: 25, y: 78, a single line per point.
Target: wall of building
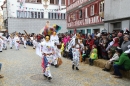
x: 116, y: 9
x: 125, y: 24
x: 89, y: 29
x: 33, y: 25
x: 13, y: 6
x: 80, y: 15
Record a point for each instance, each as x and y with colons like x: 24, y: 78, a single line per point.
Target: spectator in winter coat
x: 123, y: 63
x: 90, y: 41
x: 125, y: 43
x: 115, y: 57
x: 120, y: 35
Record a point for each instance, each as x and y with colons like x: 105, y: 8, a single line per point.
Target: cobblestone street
x: 23, y: 68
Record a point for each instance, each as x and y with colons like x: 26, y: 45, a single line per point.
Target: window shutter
x: 83, y: 13
x: 96, y: 8
x: 86, y: 12
x: 89, y: 11
x: 77, y: 17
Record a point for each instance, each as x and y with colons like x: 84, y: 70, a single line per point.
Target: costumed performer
x: 47, y: 52
x: 16, y: 40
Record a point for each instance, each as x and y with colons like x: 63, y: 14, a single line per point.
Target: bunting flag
x: 57, y: 27
x: 47, y: 10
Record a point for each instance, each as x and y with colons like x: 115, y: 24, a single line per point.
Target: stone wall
x: 33, y: 25
x: 116, y: 9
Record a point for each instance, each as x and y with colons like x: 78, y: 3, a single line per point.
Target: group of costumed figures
x: 13, y: 40
x: 49, y: 49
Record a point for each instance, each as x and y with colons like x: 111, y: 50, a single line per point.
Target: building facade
x: 86, y: 16
x: 31, y: 15
x: 117, y: 15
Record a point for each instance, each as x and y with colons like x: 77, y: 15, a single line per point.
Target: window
x: 39, y: 1
x: 101, y: 6
x: 52, y: 1
x: 42, y: 14
x: 117, y: 25
x: 63, y: 2
x: 92, y: 10
x: 65, y: 15
x: 49, y: 15
x: 35, y: 15
x: 38, y: 14
x: 28, y: 14
x: 53, y: 15
x: 56, y: 1
x: 18, y: 14
x: 22, y: 14
x: 25, y: 14
x: 62, y: 15
x: 57, y: 15
x: 80, y: 14
x: 69, y: 18
x: 27, y: 0
x: 74, y: 16
x: 32, y: 15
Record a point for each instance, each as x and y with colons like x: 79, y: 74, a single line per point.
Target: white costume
x: 1, y: 45
x: 47, y: 50
x: 76, y: 55
x: 34, y: 42
x: 54, y: 39
x: 56, y: 55
x: 24, y: 41
x: 16, y: 41
x: 5, y: 43
x: 11, y: 42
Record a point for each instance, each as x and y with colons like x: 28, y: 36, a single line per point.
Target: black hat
x: 104, y: 34
x: 121, y: 31
x: 119, y: 50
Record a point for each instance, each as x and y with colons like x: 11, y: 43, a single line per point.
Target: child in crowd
x: 86, y: 53
x: 93, y: 55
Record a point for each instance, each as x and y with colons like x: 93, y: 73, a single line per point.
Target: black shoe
x: 73, y: 67
x: 104, y: 69
x: 56, y: 66
x: 44, y: 75
x: 52, y: 64
x: 10, y: 47
x: 49, y: 78
x: 0, y: 51
x: 77, y: 68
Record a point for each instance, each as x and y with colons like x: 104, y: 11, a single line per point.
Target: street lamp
x: 45, y: 3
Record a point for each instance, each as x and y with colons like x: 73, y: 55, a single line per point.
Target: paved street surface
x: 23, y: 68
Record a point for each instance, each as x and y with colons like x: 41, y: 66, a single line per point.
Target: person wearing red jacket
x: 90, y: 41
